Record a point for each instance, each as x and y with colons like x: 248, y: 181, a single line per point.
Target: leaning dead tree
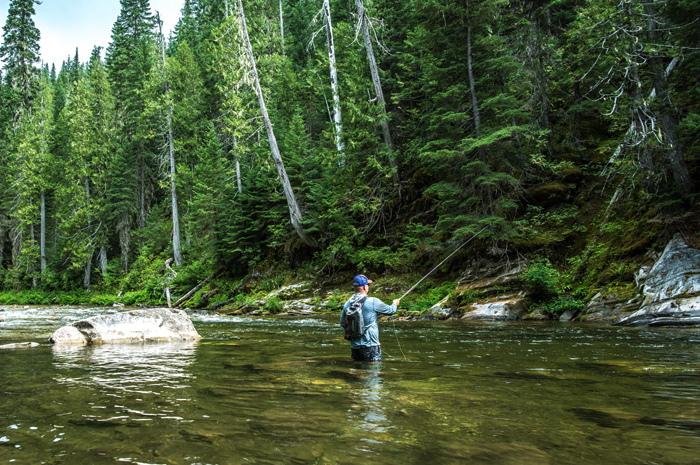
x: 363, y: 26
x: 294, y: 212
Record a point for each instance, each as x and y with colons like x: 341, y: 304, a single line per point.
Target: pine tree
x: 20, y: 52
x: 129, y: 61
x: 30, y: 172
x: 294, y: 211
x: 629, y: 72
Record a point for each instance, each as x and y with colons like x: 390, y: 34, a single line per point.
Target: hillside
x: 271, y: 143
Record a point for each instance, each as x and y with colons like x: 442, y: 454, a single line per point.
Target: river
x: 284, y: 390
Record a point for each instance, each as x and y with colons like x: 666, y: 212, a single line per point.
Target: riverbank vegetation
x: 270, y: 142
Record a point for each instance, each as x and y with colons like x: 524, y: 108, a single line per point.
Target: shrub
x: 559, y: 306
x: 541, y: 280
x: 274, y: 304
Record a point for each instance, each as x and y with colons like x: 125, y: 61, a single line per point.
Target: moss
x: 548, y: 193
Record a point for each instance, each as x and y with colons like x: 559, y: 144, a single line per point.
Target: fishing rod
x: 440, y: 264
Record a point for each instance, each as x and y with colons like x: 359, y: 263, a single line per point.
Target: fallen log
x: 218, y: 305
x: 189, y: 295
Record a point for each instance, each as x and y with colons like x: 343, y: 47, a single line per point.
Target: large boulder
x: 670, y: 289
x: 500, y: 310
x: 157, y: 324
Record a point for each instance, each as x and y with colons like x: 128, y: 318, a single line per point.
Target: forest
x: 287, y: 139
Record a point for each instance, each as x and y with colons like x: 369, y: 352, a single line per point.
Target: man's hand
x: 396, y: 302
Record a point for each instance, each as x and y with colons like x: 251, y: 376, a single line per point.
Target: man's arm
x: 342, y: 315
x: 384, y: 309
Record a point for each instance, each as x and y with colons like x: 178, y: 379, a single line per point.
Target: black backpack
x: 354, y: 323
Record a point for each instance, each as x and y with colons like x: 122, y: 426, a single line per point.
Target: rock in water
x: 19, y: 345
x: 671, y: 289
x: 156, y: 324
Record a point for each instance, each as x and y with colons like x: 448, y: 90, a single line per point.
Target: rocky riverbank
x: 664, y: 294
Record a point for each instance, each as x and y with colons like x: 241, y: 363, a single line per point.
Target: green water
x: 284, y: 390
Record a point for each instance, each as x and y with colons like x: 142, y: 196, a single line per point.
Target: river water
x: 284, y: 390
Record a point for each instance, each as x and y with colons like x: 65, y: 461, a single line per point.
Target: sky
x: 67, y: 24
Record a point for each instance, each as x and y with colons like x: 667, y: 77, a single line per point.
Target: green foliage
x: 515, y: 116
x: 273, y: 305
x: 541, y: 280
x: 540, y: 227
x: 336, y: 301
x: 558, y: 306
x: 431, y: 296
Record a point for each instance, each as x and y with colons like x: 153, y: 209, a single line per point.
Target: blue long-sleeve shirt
x: 370, y: 309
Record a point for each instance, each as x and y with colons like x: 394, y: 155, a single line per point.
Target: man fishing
x: 359, y: 319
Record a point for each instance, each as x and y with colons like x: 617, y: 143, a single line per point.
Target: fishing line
x: 393, y: 321
x: 440, y: 264
x: 423, y: 278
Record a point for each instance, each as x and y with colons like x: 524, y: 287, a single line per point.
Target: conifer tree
x: 129, y: 60
x: 20, y: 52
x: 294, y: 211
x: 629, y: 73
x: 177, y: 253
x: 364, y: 25
x: 30, y: 174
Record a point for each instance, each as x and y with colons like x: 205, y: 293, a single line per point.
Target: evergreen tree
x: 20, y: 52
x: 129, y: 61
x: 629, y: 72
x: 30, y: 172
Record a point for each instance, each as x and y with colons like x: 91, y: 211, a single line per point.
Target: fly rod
x: 440, y: 264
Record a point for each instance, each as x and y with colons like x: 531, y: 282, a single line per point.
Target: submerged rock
x: 19, y: 345
x: 157, y: 324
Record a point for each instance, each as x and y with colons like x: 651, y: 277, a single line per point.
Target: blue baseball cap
x: 360, y: 280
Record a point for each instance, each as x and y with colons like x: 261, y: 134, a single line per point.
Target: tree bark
x: 578, y: 127
x: 177, y: 254
x: 477, y: 115
x: 42, y: 234
x: 103, y: 259
x: 679, y: 170
x: 189, y: 295
x: 472, y: 84
x: 88, y: 265
x: 239, y: 181
x: 42, y: 212
x: 543, y: 87
x: 88, y: 273
x: 282, y: 27
x: 294, y: 212
x: 379, y: 93
x: 337, y: 118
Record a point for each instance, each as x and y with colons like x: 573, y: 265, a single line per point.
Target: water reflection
x: 127, y: 382
x: 370, y: 398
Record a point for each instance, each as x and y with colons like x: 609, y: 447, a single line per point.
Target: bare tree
x: 337, y: 118
x: 281, y: 25
x: 294, y: 212
x: 177, y: 254
x: 363, y: 26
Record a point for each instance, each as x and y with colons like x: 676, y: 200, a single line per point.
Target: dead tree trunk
x: 177, y: 254
x: 543, y: 86
x: 189, y: 295
x: 294, y: 212
x: 337, y: 118
x: 679, y: 170
x: 379, y: 93
x: 42, y: 233
x: 477, y: 114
